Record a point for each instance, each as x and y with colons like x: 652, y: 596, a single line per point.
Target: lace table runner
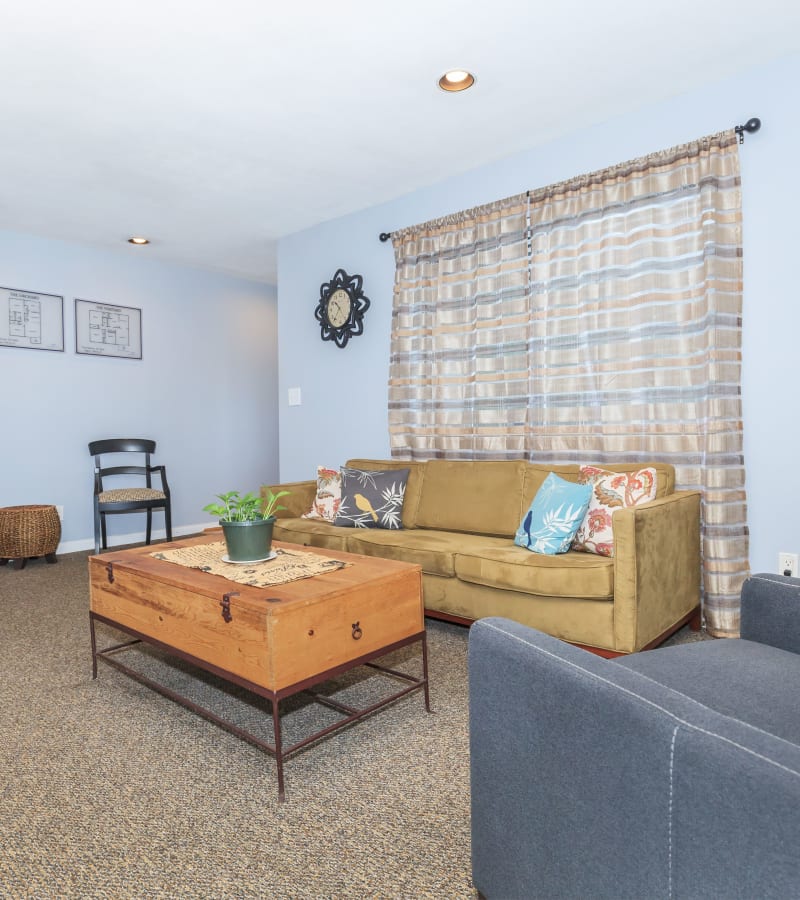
x: 288, y: 565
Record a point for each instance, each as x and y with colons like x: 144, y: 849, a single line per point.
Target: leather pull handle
x: 110, y: 572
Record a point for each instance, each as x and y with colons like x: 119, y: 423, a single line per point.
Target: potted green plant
x: 247, y: 522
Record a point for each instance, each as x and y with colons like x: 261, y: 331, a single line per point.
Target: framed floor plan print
x: 30, y: 320
x: 102, y: 329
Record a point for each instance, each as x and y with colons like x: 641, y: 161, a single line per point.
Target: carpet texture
x: 110, y: 790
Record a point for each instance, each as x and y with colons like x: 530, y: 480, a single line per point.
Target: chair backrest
x: 122, y: 445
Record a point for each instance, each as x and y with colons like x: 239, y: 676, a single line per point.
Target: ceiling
x: 215, y: 128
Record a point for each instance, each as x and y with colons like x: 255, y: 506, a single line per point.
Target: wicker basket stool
x: 27, y: 532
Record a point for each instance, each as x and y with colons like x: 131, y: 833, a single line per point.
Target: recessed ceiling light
x: 138, y: 240
x: 456, y: 80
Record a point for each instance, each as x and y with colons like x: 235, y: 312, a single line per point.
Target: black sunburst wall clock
x: 341, y: 308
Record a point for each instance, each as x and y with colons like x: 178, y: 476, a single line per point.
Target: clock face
x: 339, y: 308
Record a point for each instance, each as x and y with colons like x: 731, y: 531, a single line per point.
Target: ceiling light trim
x: 456, y: 80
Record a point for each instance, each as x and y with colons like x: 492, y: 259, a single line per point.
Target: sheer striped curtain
x: 589, y: 321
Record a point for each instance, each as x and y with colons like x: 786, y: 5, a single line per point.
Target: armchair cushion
x: 734, y: 677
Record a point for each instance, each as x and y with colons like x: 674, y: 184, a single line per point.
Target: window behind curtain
x: 589, y: 321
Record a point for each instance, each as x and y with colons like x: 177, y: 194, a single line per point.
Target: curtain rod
x: 751, y: 126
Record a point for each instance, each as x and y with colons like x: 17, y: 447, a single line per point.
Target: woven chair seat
x: 129, y: 495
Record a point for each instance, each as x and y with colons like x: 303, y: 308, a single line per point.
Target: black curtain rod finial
x: 384, y: 236
x: 751, y: 126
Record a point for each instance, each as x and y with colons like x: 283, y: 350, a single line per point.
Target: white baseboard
x: 136, y: 538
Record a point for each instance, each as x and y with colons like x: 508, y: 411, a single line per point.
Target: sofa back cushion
x: 485, y: 496
x: 413, y: 485
x: 478, y: 497
x: 535, y: 474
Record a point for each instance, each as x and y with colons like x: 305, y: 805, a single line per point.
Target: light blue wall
x: 344, y: 392
x: 205, y: 389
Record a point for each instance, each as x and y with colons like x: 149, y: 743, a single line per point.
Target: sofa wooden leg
x: 696, y: 621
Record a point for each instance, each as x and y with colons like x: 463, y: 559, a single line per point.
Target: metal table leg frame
x: 350, y: 713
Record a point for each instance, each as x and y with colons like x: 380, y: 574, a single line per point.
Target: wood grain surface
x: 276, y: 636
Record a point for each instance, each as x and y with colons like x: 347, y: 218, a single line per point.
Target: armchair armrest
x: 656, y: 567
x: 301, y: 496
x: 771, y: 611
x: 590, y: 779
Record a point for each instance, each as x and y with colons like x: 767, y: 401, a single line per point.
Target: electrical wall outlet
x: 787, y: 563
x: 60, y: 511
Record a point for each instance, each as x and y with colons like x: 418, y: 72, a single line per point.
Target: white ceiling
x: 215, y: 128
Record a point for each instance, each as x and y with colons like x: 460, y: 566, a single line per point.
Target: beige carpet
x: 110, y: 790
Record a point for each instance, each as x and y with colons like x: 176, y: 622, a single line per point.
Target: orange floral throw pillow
x: 610, y: 491
x: 328, y: 497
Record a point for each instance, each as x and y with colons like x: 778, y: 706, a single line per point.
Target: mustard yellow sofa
x: 459, y: 520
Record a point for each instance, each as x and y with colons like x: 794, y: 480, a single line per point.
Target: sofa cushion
x: 610, y: 491
x: 311, y: 533
x: 372, y: 498
x: 535, y: 474
x: 564, y: 575
x: 434, y: 550
x: 754, y: 683
x: 416, y: 472
x: 554, y: 516
x: 328, y: 495
x: 477, y: 497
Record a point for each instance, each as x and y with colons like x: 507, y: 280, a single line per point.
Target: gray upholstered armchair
x: 673, y: 772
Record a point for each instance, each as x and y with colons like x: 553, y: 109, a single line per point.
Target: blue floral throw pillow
x: 372, y: 499
x: 554, y: 516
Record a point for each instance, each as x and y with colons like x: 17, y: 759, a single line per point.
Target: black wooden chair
x: 128, y: 499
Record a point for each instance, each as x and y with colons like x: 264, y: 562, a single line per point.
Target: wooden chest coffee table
x: 274, y: 641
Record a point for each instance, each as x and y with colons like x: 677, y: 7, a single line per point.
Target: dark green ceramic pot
x: 248, y: 541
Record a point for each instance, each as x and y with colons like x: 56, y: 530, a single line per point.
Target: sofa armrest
x: 657, y: 567
x: 301, y: 496
x: 771, y: 611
